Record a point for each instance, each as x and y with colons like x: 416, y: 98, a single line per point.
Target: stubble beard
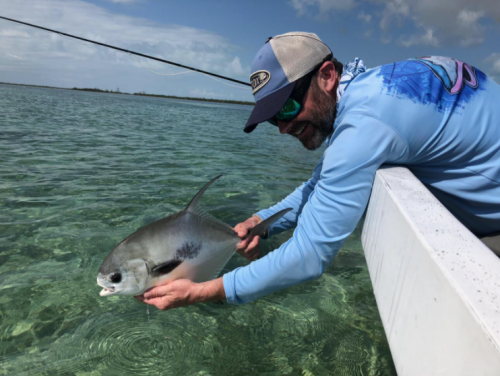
x: 324, y: 112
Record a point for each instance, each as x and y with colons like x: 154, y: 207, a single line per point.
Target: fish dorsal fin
x: 195, y: 207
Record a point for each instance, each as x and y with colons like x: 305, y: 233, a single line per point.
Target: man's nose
x: 284, y: 126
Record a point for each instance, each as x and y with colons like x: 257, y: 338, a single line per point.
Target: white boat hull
x: 437, y: 286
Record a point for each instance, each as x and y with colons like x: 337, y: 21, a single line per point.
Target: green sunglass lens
x: 289, y: 110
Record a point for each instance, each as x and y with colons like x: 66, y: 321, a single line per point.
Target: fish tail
x: 264, y: 225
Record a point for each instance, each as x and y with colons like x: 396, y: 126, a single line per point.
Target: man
x: 438, y: 116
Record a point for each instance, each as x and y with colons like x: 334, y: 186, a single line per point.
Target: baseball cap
x: 278, y: 65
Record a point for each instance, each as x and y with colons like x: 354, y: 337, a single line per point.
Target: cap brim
x: 268, y: 106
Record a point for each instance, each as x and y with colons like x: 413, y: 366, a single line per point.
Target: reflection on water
x: 80, y: 171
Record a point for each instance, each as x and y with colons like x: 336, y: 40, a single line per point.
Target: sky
x: 224, y: 36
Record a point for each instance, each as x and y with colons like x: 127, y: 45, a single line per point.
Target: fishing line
x: 130, y: 52
x: 176, y: 74
x: 158, y: 73
x: 86, y: 44
x: 132, y: 56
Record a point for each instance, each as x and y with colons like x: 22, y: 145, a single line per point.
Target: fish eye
x: 115, y: 277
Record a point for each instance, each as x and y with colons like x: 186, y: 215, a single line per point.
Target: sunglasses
x: 294, y: 104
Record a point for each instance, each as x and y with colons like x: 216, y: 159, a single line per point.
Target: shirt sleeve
x: 359, y: 145
x: 296, y: 200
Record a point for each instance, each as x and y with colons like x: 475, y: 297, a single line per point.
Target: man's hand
x: 248, y: 248
x: 183, y: 292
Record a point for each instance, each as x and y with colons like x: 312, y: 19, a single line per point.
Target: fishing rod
x: 128, y: 51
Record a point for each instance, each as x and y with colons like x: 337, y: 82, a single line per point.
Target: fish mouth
x: 106, y: 290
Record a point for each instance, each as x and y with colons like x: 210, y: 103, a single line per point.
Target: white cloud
x: 125, y: 1
x: 426, y: 39
x: 52, y: 59
x: 468, y: 20
x: 496, y: 66
x: 365, y: 16
x: 13, y: 33
x: 234, y: 67
x: 494, y: 61
x: 323, y: 6
x: 395, y: 10
x: 14, y: 56
x: 469, y: 17
x: 453, y: 22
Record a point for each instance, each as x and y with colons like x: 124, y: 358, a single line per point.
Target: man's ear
x: 327, y: 77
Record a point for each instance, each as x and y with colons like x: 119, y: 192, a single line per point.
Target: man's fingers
x: 251, y: 255
x: 153, y: 301
x: 248, y: 243
x: 254, y: 243
x: 254, y: 246
x: 242, y: 244
x: 156, y: 292
x: 241, y: 230
x: 248, y: 254
x: 248, y: 248
x: 158, y: 303
x: 144, y: 300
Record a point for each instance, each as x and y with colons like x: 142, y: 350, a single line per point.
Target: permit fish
x: 190, y: 244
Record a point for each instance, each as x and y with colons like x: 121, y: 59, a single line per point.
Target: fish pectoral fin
x: 166, y: 267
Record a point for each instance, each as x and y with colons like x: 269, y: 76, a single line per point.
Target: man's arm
x: 359, y: 146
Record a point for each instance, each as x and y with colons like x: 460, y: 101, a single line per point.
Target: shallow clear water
x: 80, y: 171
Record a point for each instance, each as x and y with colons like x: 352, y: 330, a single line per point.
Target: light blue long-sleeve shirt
x: 437, y: 116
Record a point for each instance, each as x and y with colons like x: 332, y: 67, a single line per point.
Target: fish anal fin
x: 166, y: 267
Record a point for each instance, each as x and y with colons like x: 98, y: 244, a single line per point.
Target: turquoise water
x: 80, y: 171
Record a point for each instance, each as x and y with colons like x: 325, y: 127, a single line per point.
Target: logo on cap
x: 259, y: 79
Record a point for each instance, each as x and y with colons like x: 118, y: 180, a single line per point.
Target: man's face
x: 314, y: 123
